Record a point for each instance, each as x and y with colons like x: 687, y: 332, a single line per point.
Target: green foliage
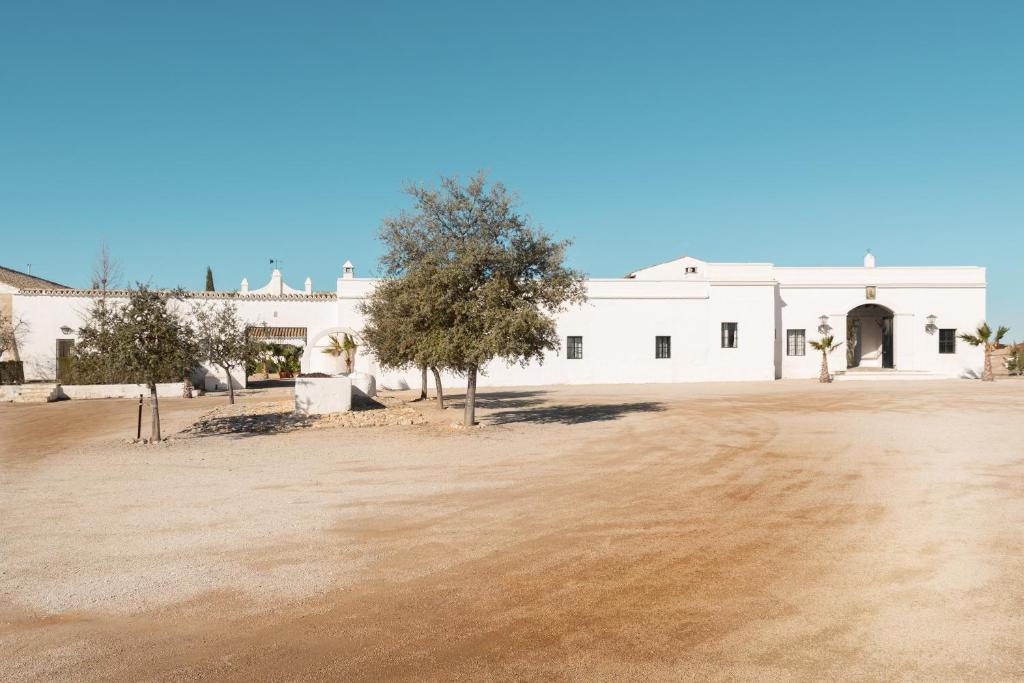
x: 143, y: 340
x: 826, y: 344
x: 221, y: 336
x: 476, y: 282
x: 342, y: 348
x: 983, y: 336
x: 1015, y: 359
x: 209, y: 280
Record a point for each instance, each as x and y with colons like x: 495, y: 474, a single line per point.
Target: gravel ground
x: 786, y: 531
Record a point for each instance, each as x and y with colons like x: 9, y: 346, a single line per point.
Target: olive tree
x: 222, y: 339
x: 145, y: 338
x: 492, y: 282
x: 406, y: 321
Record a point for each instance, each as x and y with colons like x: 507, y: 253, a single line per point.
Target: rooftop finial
x: 869, y: 259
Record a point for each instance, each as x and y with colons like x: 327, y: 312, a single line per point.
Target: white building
x: 684, y: 320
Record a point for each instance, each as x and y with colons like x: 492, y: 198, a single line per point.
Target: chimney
x: 309, y: 285
x: 245, y: 285
x: 348, y: 270
x: 869, y: 260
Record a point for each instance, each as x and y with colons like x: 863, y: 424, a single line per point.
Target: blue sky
x: 220, y: 133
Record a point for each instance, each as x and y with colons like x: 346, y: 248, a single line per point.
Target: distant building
x: 684, y: 320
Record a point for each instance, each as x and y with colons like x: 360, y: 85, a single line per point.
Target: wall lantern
x: 64, y: 329
x: 930, y: 326
x: 823, y: 325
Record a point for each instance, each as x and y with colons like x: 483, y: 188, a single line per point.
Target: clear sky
x: 229, y: 133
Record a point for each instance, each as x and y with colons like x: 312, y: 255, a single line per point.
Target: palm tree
x: 345, y: 347
x: 983, y: 337
x: 826, y: 345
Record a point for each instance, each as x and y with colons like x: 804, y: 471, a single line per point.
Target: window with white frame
x: 947, y: 341
x: 662, y: 347
x: 574, y: 348
x: 796, y: 342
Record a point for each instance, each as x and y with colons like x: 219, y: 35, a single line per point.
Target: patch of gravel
x: 273, y: 417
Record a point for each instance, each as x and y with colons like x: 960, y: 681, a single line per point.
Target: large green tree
x: 145, y: 339
x: 494, y: 280
x: 406, y: 324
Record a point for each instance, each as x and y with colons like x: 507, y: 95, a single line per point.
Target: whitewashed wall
x: 623, y: 316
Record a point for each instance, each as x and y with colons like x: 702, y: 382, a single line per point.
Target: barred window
x: 796, y: 343
x: 574, y: 348
x: 947, y: 341
x: 730, y: 335
x: 663, y: 347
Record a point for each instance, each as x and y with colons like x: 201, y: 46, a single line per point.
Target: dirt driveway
x: 785, y: 531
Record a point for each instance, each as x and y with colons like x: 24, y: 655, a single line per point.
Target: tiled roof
x: 20, y: 280
x: 267, y: 332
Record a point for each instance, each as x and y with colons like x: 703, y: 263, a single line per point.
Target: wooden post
x: 138, y: 425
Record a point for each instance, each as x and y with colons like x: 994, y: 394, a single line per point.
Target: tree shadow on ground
x: 573, y: 414
x: 251, y: 424
x: 494, y: 400
x: 275, y: 422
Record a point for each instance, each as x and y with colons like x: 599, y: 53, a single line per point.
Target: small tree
x: 13, y: 330
x: 407, y: 324
x: 145, y: 338
x: 344, y: 348
x: 495, y: 281
x: 106, y: 271
x: 209, y: 279
x: 222, y: 339
x: 826, y: 345
x: 983, y: 337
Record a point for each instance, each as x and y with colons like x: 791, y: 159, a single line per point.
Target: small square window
x: 730, y: 335
x: 947, y: 341
x: 691, y: 270
x: 796, y: 342
x: 574, y: 348
x: 663, y: 347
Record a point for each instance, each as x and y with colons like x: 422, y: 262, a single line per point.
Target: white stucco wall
x: 623, y: 316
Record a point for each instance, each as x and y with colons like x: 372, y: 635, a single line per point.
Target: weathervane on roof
x: 276, y: 262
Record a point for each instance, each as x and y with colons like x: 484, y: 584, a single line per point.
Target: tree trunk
x: 824, y: 377
x: 231, y: 386
x: 440, y: 389
x: 986, y: 375
x: 154, y: 402
x: 186, y: 387
x: 469, y: 419
x: 423, y: 383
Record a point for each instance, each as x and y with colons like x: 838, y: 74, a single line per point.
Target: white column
x: 903, y: 341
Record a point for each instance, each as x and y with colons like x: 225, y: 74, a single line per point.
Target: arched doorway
x: 869, y: 337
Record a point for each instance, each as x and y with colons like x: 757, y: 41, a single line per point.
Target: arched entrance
x: 869, y: 337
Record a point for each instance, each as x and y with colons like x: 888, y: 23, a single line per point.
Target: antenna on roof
x: 29, y: 268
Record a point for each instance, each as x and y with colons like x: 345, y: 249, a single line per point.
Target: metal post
x: 138, y: 427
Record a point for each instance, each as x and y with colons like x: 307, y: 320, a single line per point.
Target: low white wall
x: 8, y: 392
x: 322, y: 395
x: 168, y: 390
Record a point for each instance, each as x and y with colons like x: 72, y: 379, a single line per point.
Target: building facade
x: 685, y: 320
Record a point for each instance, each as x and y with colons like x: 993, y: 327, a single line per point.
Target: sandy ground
x: 782, y: 531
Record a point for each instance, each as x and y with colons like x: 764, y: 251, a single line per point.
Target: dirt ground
x: 779, y: 531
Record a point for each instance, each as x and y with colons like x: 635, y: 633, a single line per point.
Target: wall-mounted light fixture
x: 823, y: 326
x: 930, y: 326
x: 64, y: 329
